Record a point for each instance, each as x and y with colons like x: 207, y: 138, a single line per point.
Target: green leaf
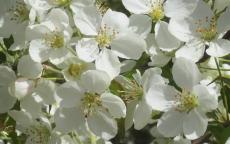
x: 225, y: 91
x: 220, y: 132
x: 8, y: 41
x: 2, y: 57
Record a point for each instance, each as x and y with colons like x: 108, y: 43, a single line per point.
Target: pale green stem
x: 222, y: 85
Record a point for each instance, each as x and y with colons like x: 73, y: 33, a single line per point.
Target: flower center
x: 55, y: 39
x: 187, y: 101
x: 90, y: 102
x: 19, y: 12
x: 209, y: 32
x: 131, y: 91
x: 38, y: 134
x: 77, y: 69
x: 61, y: 2
x: 105, y: 37
x: 157, y: 12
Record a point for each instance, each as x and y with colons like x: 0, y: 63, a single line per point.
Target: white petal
x: 88, y: 20
x: 46, y: 90
x: 219, y: 48
x: 151, y: 77
x: 77, y: 5
x: 32, y: 105
x: 114, y: 104
x: 165, y: 40
x: 69, y: 119
x: 142, y: 115
x: 21, y: 87
x: 137, y: 6
x: 195, y: 125
x: 58, y: 16
x: 7, y: 76
x: 29, y: 68
x: 41, y: 5
x: 36, y: 31
x: 87, y: 50
x: 127, y: 65
x: 115, y: 20
x: 140, y: 24
x: 179, y: 8
x: 180, y: 28
x: 102, y: 125
x: 171, y: 123
x: 107, y: 61
x: 70, y: 93
x: 58, y: 56
x: 6, y: 100
x: 207, y: 101
x: 38, y: 51
x: 95, y: 81
x: 128, y: 45
x: 131, y: 106
x: 160, y: 97
x: 193, y: 51
x: 223, y: 21
x: 21, y: 117
x: 202, y: 11
x: 185, y: 73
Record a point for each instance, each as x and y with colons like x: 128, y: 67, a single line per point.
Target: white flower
x: 49, y: 40
x: 38, y: 130
x: 42, y: 97
x: 14, y: 18
x: 157, y: 9
x: 7, y: 77
x: 184, y: 110
x: 134, y: 94
x: 74, y: 68
x: 89, y: 102
x: 202, y: 28
x: 111, y: 30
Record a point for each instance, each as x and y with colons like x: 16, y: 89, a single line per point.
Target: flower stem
x: 53, y: 78
x: 76, y: 138
x: 224, y: 60
x: 51, y: 69
x: 222, y: 85
x: 215, y: 69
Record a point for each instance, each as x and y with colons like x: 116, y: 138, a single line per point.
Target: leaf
x: 2, y: 57
x: 220, y: 132
x: 8, y: 41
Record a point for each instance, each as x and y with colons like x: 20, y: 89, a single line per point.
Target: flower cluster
x: 84, y: 71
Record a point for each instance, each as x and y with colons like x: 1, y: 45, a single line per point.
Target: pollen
x: 77, y: 69
x: 157, y: 12
x: 209, y: 32
x: 131, y: 91
x: 186, y: 101
x: 105, y: 37
x: 55, y: 39
x: 19, y: 13
x: 91, y: 101
x: 38, y: 134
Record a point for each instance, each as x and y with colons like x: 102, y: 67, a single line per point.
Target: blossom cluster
x: 81, y: 71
